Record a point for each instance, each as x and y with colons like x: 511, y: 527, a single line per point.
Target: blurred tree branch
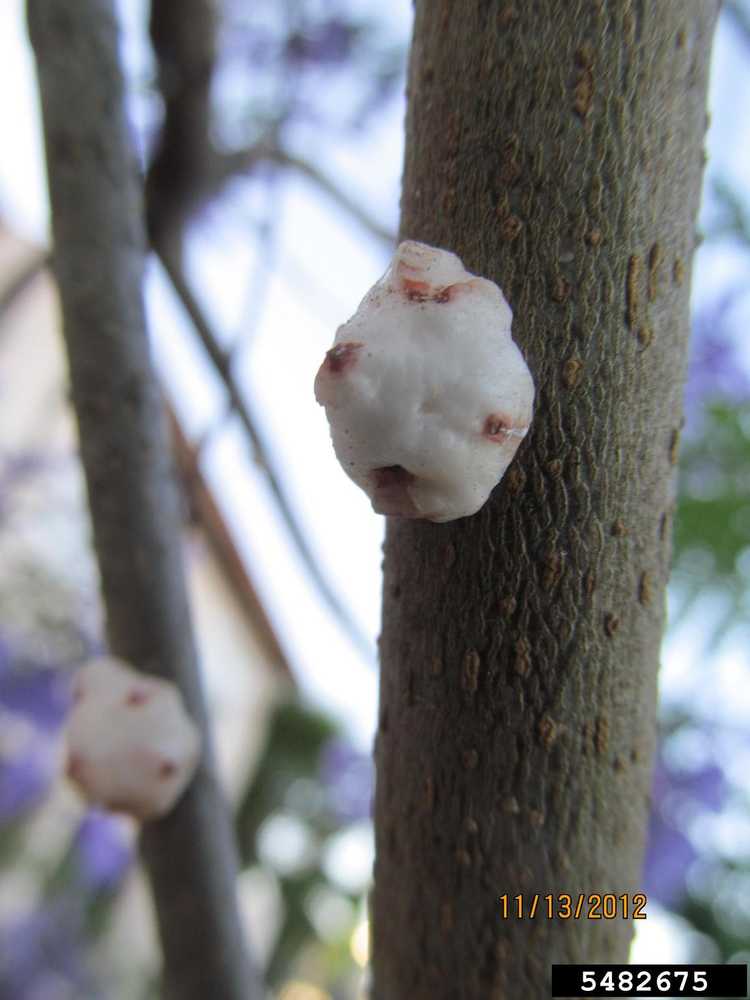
x: 99, y: 256
x: 221, y: 361
x: 21, y: 281
x: 241, y: 161
x: 186, y: 171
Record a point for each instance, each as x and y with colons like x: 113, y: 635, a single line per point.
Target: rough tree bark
x: 99, y: 252
x: 556, y: 146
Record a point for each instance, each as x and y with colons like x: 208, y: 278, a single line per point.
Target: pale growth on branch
x: 426, y: 393
x: 132, y: 747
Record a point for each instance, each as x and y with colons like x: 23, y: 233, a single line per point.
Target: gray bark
x: 99, y: 251
x: 556, y: 146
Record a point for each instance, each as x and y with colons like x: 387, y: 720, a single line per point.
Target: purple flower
x: 41, y: 954
x: 669, y: 855
x: 677, y: 795
x: 27, y: 766
x: 715, y: 370
x: 349, y: 778
x: 103, y: 851
x: 42, y: 694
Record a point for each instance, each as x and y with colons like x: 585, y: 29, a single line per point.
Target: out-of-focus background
x: 305, y: 116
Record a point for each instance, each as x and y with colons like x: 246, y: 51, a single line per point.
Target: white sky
x: 323, y: 264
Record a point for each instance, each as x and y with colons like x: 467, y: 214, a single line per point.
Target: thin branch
x: 181, y: 175
x: 21, y: 281
x: 334, y: 192
x: 222, y: 364
x: 231, y: 164
x: 186, y: 170
x: 99, y: 257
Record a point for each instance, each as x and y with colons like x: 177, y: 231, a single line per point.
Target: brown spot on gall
x: 415, y: 291
x: 645, y: 589
x: 594, y: 237
x: 497, y: 428
x: 391, y: 491
x: 342, y: 357
x: 618, y: 529
x: 137, y: 697
x: 678, y: 272
x: 167, y: 769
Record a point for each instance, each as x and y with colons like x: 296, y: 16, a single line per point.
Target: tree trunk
x: 556, y: 146
x: 99, y: 255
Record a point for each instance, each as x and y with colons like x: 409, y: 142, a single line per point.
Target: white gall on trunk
x: 132, y: 747
x: 426, y: 393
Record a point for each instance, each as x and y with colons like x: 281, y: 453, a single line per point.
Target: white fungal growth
x: 132, y: 747
x: 426, y: 393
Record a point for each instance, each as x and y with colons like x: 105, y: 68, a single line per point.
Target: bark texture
x: 556, y: 146
x: 99, y: 257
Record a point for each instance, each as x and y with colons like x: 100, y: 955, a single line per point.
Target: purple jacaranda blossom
x: 669, y: 855
x: 677, y: 795
x: 716, y: 372
x: 28, y: 766
x: 102, y: 850
x: 41, y: 694
x: 348, y: 776
x: 41, y: 954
